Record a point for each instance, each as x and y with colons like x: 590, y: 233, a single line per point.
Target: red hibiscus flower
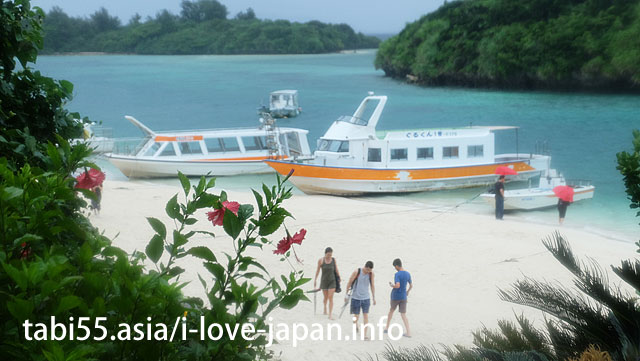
x: 298, y: 237
x: 25, y: 251
x: 216, y: 217
x: 285, y: 244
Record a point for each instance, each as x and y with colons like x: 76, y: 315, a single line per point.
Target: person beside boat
x: 359, y: 283
x: 562, y: 209
x: 329, y: 279
x: 399, y: 295
x: 499, y: 191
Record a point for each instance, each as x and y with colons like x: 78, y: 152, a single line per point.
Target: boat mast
x: 269, y: 125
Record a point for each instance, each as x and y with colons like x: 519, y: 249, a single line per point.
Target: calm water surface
x: 583, y: 131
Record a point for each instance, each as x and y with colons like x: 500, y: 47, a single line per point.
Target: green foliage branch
x: 54, y: 263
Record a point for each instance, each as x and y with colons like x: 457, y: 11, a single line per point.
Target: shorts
x: 356, y: 305
x: 401, y: 303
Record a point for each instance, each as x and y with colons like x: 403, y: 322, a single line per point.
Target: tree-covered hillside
x: 201, y: 28
x: 587, y: 44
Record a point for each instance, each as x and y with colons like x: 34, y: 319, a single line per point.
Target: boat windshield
x: 328, y: 145
x: 353, y: 120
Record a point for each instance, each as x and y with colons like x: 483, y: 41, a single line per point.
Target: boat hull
x: 143, y: 168
x: 532, y: 199
x: 313, y: 179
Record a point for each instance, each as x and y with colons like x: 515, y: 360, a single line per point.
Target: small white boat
x: 284, y: 104
x: 542, y: 196
x: 353, y: 158
x: 220, y: 152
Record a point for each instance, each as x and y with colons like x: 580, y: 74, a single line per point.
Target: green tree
x: 54, y: 263
x: 203, y: 10
x: 102, y: 21
x: 248, y: 14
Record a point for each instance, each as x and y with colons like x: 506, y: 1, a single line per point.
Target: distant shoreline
x: 94, y: 53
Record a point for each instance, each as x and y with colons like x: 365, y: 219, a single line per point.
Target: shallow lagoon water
x: 583, y: 131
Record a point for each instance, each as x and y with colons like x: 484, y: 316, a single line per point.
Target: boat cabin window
x: 168, y: 150
x: 399, y: 154
x: 474, y: 151
x: 213, y: 145
x: 190, y: 147
x: 375, y: 155
x: 294, y: 143
x: 230, y: 144
x: 425, y: 153
x: 334, y: 146
x: 254, y: 143
x: 352, y: 120
x: 449, y: 152
x: 152, y: 150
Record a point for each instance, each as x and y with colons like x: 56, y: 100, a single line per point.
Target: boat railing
x: 575, y: 183
x: 352, y: 120
x: 128, y: 146
x: 102, y: 132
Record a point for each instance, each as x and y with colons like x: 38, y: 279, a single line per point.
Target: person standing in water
x: 562, y: 209
x: 328, y: 281
x: 499, y: 191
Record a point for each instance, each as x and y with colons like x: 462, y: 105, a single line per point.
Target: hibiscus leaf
x: 216, y: 270
x: 245, y: 212
x: 259, y: 200
x: 202, y: 252
x: 186, y: 185
x: 158, y: 226
x: 172, y: 208
x: 271, y: 224
x: 267, y: 193
x: 154, y: 248
x: 206, y: 200
x: 249, y: 275
x: 231, y: 223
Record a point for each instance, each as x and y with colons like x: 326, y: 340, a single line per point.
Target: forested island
x: 201, y: 28
x: 529, y: 44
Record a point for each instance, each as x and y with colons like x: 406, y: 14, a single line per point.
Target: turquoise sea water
x: 583, y: 131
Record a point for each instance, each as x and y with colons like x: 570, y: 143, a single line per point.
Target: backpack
x: 355, y: 282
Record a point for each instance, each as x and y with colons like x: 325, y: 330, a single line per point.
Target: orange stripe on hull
x: 303, y: 170
x: 185, y: 138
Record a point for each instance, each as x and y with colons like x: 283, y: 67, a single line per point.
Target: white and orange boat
x: 353, y: 158
x: 219, y: 152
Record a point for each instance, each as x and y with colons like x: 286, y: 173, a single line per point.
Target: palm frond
x: 561, y: 250
x: 536, y: 340
x: 629, y: 271
x: 563, y: 340
x: 420, y: 353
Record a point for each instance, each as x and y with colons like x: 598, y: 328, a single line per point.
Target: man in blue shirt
x: 399, y: 294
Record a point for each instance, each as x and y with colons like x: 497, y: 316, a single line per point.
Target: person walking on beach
x: 95, y: 203
x: 562, y: 209
x: 359, y: 283
x: 499, y: 191
x: 399, y: 295
x: 328, y: 280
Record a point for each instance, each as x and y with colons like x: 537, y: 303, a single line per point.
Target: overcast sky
x: 368, y: 16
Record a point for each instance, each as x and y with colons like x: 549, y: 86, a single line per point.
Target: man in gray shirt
x: 359, y: 283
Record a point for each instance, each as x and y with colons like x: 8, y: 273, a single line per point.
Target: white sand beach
x: 457, y: 260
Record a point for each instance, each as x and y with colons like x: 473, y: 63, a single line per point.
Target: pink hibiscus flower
x: 217, y: 216
x: 285, y: 244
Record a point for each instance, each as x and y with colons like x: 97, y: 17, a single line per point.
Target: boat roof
x: 285, y: 91
x: 443, y: 132
x: 220, y: 132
